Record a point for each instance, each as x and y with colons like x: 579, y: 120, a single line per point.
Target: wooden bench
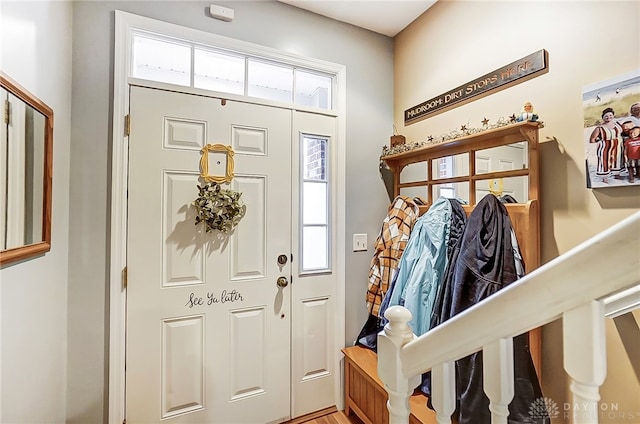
x: 365, y: 395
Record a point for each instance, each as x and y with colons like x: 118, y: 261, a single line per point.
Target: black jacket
x: 484, y: 265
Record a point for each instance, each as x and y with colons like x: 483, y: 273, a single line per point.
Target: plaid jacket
x: 389, y: 246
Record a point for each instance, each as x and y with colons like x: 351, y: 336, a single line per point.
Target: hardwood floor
x: 326, y: 416
x: 335, y: 418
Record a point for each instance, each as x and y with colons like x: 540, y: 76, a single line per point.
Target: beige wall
x: 455, y: 42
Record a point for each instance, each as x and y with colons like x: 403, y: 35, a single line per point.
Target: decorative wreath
x: 217, y: 208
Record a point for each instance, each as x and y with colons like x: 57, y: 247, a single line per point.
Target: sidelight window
x: 315, y: 196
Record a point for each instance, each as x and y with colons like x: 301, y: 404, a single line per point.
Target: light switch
x: 359, y: 242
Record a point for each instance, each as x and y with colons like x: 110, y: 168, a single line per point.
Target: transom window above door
x: 188, y: 64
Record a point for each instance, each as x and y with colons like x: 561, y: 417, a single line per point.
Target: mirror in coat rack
x: 511, y: 157
x: 26, y: 159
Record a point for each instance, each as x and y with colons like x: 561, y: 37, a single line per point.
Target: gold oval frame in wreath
x: 204, y: 163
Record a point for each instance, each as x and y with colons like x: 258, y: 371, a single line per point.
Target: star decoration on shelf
x: 451, y: 135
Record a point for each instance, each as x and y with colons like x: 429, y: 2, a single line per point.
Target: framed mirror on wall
x: 26, y: 165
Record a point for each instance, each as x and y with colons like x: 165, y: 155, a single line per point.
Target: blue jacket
x: 422, y: 265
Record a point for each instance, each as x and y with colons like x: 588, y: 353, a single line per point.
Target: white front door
x: 208, y: 328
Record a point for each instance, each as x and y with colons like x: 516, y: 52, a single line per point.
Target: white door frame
x: 124, y: 24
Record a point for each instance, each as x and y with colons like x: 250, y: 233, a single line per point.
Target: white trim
x: 118, y: 236
x: 124, y: 24
x: 340, y: 90
x: 228, y: 96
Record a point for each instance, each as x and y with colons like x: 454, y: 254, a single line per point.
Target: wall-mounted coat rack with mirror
x: 26, y: 165
x: 501, y: 161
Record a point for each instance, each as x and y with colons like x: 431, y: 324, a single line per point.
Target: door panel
x: 180, y: 269
x: 248, y: 243
x: 182, y: 365
x: 316, y: 338
x: 247, y: 366
x: 208, y: 329
x: 250, y: 141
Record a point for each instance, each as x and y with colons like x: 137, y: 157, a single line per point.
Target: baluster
x: 497, y: 369
x: 585, y: 358
x: 390, y: 340
x: 443, y: 391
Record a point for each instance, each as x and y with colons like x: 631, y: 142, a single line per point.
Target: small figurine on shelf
x: 527, y: 113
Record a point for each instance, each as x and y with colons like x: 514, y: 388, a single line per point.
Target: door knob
x: 282, y: 282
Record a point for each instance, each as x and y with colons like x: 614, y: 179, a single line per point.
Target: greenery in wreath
x: 217, y: 208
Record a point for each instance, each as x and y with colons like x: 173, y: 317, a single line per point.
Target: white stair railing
x: 598, y: 277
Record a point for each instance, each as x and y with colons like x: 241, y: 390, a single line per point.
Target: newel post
x: 396, y: 334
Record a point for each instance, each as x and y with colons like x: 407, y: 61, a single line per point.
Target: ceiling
x: 384, y: 17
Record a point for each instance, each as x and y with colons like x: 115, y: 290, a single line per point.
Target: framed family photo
x: 612, y: 131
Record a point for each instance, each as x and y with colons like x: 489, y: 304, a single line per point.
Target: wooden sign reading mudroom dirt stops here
x: 514, y: 73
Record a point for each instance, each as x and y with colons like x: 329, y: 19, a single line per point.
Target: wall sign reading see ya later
x: 213, y: 298
x: 516, y: 72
